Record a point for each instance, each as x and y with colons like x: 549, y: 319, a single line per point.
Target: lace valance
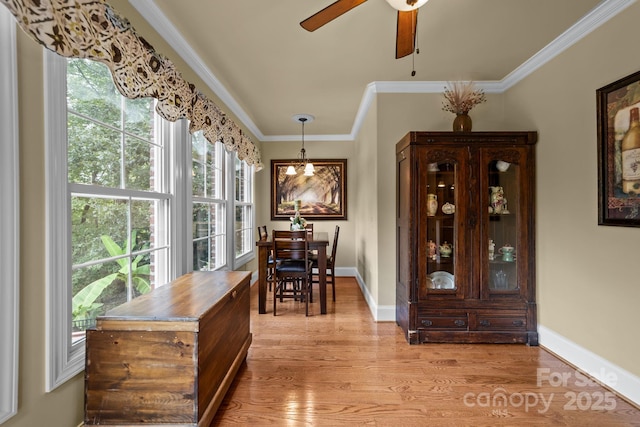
x: 92, y: 29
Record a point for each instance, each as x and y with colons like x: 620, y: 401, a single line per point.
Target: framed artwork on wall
x: 618, y: 109
x: 322, y: 196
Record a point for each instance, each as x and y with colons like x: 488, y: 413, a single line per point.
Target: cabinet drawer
x: 502, y: 323
x: 457, y: 322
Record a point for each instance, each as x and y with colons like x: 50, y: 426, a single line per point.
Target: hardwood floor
x: 345, y: 369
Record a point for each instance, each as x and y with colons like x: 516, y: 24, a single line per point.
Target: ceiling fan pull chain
x: 413, y: 64
x: 416, y: 51
x: 417, y: 36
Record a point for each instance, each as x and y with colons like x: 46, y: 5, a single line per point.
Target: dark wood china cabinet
x: 465, y: 237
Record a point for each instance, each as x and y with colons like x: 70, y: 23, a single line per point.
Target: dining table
x: 318, y: 242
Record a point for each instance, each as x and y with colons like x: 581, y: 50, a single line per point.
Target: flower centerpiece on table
x: 297, y: 222
x: 460, y: 98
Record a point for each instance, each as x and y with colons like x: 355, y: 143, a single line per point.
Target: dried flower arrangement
x: 461, y: 97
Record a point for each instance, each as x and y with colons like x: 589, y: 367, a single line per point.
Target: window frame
x: 231, y: 176
x: 65, y: 360
x: 66, y: 357
x: 207, y: 199
x: 10, y: 219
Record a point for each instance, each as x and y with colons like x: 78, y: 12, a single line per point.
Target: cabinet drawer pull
x: 234, y: 294
x: 459, y: 322
x: 485, y: 323
x: 427, y: 322
x: 518, y: 323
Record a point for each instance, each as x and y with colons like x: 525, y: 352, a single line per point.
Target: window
x: 216, y: 174
x: 9, y: 219
x: 118, y: 199
x: 209, y: 204
x: 243, y: 211
x: 110, y: 190
x: 117, y: 171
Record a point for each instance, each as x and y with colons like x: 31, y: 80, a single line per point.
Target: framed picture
x: 320, y: 196
x: 618, y: 106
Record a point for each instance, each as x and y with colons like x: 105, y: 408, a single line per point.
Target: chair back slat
x: 334, y: 248
x: 288, y: 234
x: 262, y: 232
x: 290, y: 249
x: 290, y: 245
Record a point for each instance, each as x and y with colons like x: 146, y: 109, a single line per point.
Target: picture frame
x: 618, y: 202
x: 322, y: 196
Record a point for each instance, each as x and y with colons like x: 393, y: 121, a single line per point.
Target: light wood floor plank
x: 344, y: 369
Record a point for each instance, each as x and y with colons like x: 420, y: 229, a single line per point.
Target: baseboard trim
x: 380, y: 313
x: 619, y: 380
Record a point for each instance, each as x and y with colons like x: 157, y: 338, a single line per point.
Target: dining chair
x: 309, y: 228
x: 331, y: 264
x: 293, y: 269
x: 263, y: 234
x: 312, y: 252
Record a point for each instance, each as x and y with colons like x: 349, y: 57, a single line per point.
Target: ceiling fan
x: 407, y: 20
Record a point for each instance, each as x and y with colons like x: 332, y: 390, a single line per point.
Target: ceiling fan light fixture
x: 406, y: 5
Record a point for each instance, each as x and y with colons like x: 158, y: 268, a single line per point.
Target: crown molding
x: 158, y: 20
x: 604, y: 11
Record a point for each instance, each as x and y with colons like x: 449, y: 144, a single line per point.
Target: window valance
x: 92, y: 29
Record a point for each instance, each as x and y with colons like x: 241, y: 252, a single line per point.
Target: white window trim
x: 238, y: 261
x: 9, y: 220
x: 63, y: 359
x: 180, y: 187
x: 230, y: 201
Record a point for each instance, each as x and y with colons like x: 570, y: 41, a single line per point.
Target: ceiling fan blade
x: 406, y: 33
x: 329, y: 13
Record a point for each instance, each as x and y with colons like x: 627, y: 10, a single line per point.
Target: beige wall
x: 588, y: 285
x: 588, y: 280
x: 397, y: 114
x: 366, y: 201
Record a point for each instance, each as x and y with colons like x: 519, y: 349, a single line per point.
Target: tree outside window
x: 115, y: 164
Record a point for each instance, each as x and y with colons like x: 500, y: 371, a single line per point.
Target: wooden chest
x: 168, y: 357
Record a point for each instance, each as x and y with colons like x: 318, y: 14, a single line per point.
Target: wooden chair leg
x: 333, y: 284
x: 275, y: 295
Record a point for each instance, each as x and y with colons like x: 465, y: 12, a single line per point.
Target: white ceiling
x: 257, y: 58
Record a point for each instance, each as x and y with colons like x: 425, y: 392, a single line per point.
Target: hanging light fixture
x: 303, y: 161
x: 406, y: 5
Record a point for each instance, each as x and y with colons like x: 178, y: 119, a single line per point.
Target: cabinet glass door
x: 502, y: 225
x: 439, y: 229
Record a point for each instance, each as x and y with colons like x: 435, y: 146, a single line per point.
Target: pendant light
x: 303, y: 161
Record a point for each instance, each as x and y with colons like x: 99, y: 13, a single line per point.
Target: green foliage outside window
x: 84, y: 305
x: 110, y: 144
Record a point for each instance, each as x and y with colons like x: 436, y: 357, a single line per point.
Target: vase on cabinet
x: 432, y: 204
x: 462, y: 123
